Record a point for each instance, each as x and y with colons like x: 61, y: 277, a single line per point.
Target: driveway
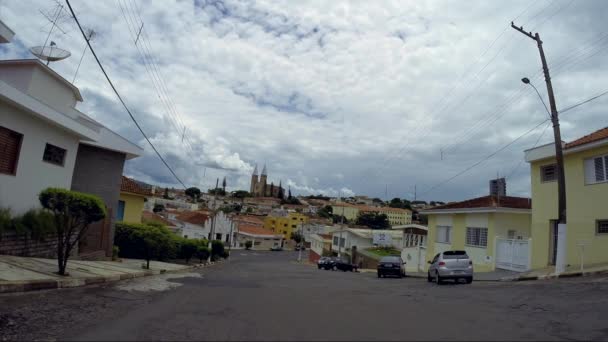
x: 268, y: 296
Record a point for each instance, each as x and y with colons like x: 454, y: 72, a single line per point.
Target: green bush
x: 141, y: 241
x: 188, y: 248
x: 217, y: 249
x: 34, y: 224
x: 202, y: 253
x: 115, y: 252
x: 248, y: 244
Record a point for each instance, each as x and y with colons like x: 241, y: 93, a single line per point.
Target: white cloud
x: 371, y: 91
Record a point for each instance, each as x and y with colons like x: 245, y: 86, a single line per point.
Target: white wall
x: 20, y: 192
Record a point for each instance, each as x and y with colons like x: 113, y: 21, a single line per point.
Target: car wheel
x: 379, y: 275
x: 428, y: 277
x: 335, y: 268
x: 469, y: 280
x: 319, y: 267
x: 438, y: 279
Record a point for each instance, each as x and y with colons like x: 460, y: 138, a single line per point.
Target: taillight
x: 441, y: 263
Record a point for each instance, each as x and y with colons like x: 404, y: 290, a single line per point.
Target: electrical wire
x: 583, y: 102
x: 120, y: 97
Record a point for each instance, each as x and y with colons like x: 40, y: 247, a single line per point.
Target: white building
x: 198, y: 225
x: 343, y: 240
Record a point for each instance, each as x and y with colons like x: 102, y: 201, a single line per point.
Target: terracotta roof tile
x: 150, y: 216
x: 130, y: 186
x: 194, y: 217
x: 490, y: 201
x: 255, y: 230
x: 589, y: 138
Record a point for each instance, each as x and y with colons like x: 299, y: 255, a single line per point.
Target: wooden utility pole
x: 559, y: 154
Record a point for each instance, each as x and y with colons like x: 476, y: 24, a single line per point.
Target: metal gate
x: 513, y: 254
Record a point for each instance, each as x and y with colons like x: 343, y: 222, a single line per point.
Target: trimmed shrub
x: 217, y: 249
x: 141, y: 241
x: 202, y: 253
x: 72, y: 212
x: 188, y: 248
x: 248, y: 244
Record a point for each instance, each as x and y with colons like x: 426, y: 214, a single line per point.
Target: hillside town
x: 137, y: 243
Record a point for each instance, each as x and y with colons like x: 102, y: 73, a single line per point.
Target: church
x: 260, y: 187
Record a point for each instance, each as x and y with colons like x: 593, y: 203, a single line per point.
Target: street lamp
x: 526, y: 80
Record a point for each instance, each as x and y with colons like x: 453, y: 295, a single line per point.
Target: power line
x: 534, y: 146
x: 484, y: 159
x: 118, y: 95
x: 583, y: 102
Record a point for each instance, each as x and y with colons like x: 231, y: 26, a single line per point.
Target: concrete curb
x: 556, y: 276
x: 49, y: 284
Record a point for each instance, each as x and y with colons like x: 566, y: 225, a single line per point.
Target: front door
x: 552, y: 242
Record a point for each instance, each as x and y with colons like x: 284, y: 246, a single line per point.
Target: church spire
x: 264, y: 170
x: 255, y: 170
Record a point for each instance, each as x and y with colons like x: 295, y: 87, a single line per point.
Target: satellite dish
x: 50, y: 53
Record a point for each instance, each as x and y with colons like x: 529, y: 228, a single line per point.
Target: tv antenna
x: 51, y: 53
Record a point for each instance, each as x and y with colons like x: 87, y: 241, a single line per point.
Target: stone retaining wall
x: 14, y: 244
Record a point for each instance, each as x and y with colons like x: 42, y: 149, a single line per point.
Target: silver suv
x: 450, y: 265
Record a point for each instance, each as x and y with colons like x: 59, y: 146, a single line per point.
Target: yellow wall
x: 584, y: 204
x: 349, y: 212
x: 134, y: 206
x: 497, y: 223
x: 285, y: 225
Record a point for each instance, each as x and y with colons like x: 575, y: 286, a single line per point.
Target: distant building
x: 131, y: 201
x: 498, y: 187
x: 260, y: 186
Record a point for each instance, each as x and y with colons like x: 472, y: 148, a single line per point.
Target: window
x: 10, y: 146
x: 548, y: 173
x: 54, y: 155
x: 596, y: 170
x: 444, y: 234
x: 335, y: 240
x: 218, y: 237
x: 342, y: 241
x: 120, y: 213
x: 477, y: 237
x: 293, y: 226
x: 602, y: 226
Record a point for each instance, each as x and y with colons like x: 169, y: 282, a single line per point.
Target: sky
x: 379, y: 98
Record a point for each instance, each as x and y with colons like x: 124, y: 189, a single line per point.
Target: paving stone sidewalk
x: 18, y: 274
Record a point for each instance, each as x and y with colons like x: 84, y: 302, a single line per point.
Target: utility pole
x: 560, y: 262
x: 301, y: 241
x: 341, y: 226
x: 213, y: 219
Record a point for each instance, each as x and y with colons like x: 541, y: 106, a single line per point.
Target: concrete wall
x: 259, y: 243
x: 98, y: 171
x: 585, y: 205
x: 13, y: 244
x: 20, y: 192
x: 134, y: 207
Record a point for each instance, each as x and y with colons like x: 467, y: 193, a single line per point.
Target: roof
x: 255, y: 230
x: 249, y: 219
x: 153, y: 217
x: 600, y: 134
x: 129, y: 185
x: 411, y: 226
x: 37, y: 62
x: 368, y: 233
x: 193, y: 217
x: 487, y: 203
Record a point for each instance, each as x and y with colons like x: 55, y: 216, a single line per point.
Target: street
x: 268, y: 296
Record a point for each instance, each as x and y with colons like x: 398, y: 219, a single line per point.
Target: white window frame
x: 448, y: 234
x: 476, y: 239
x: 591, y: 169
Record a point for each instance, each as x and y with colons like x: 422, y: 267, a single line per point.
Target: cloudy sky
x: 334, y: 96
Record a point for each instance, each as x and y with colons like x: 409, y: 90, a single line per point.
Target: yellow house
x: 586, y: 172
x: 284, y: 222
x: 396, y: 216
x: 349, y: 211
x: 493, y: 230
x: 131, y: 201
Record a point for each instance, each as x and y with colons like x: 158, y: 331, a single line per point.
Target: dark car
x: 330, y: 263
x: 343, y: 264
x: 391, y: 265
x: 323, y: 261
x: 276, y: 248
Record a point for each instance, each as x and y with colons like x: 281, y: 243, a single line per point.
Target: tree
x: 325, y: 212
x: 241, y: 194
x: 224, y: 185
x: 158, y: 208
x: 248, y: 244
x: 271, y: 189
x: 377, y: 200
x: 194, y: 193
x: 166, y: 194
x: 217, y: 249
x: 339, y: 219
x: 218, y: 191
x: 400, y: 203
x: 281, y: 193
x: 297, y: 237
x: 73, y: 213
x: 202, y: 253
x: 188, y: 248
x: 373, y: 220
x: 289, y: 193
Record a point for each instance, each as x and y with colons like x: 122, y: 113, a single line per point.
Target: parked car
x: 322, y: 261
x: 330, y: 263
x: 391, y: 265
x: 343, y: 264
x: 276, y: 248
x: 453, y: 265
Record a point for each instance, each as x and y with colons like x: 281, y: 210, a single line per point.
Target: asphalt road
x: 267, y: 296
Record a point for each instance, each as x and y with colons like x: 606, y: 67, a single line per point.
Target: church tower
x: 254, y: 181
x: 264, y: 181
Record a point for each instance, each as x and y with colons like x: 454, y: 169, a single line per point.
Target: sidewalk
x: 571, y: 271
x: 18, y: 274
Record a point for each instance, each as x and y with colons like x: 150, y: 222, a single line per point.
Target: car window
x: 435, y: 258
x: 390, y: 259
x: 455, y: 255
